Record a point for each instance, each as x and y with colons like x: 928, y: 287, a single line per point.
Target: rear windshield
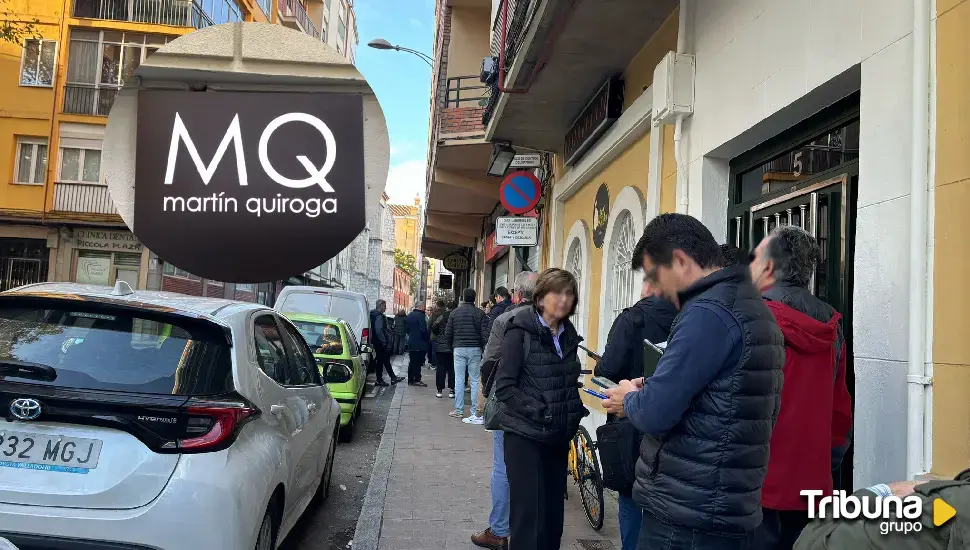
x: 106, y: 348
x: 348, y: 310
x: 323, y: 338
x: 306, y: 302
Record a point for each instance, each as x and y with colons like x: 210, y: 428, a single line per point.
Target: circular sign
x: 520, y: 192
x: 244, y: 181
x: 601, y: 215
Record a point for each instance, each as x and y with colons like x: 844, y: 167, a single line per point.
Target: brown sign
x: 597, y: 117
x: 248, y: 186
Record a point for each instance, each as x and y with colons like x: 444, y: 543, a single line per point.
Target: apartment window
x: 326, y: 27
x: 106, y: 268
x: 328, y: 3
x: 31, y: 163
x: 80, y: 164
x: 222, y: 11
x: 341, y: 29
x: 38, y: 63
x: 245, y: 287
x: 98, y: 64
x: 170, y: 269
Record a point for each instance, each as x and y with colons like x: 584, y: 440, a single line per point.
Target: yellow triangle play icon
x: 942, y: 512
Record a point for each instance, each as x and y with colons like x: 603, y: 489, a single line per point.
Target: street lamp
x: 381, y: 44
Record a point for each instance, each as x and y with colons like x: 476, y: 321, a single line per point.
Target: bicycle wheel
x: 591, y: 480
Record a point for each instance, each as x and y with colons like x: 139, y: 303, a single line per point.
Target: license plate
x: 50, y: 453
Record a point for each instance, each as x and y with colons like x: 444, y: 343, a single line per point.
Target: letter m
x: 233, y: 134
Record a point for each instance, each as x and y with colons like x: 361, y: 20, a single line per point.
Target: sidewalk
x: 437, y: 491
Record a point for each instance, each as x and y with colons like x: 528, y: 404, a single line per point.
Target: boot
x: 487, y: 539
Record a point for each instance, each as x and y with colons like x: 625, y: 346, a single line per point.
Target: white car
x: 150, y: 420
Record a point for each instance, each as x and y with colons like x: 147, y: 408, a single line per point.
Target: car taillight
x: 365, y: 336
x: 213, y: 425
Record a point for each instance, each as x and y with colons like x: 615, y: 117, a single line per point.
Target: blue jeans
x: 470, y: 358
x: 631, y: 516
x: 498, y: 519
x: 657, y: 533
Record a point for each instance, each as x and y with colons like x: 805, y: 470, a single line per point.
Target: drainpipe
x: 917, y: 381
x: 682, y: 183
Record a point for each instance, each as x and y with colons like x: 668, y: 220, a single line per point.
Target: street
x: 331, y: 525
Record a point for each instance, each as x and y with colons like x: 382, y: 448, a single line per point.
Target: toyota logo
x: 25, y: 408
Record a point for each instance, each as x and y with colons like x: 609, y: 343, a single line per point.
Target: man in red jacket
x: 813, y: 427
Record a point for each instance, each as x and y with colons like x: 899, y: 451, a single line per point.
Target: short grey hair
x: 794, y: 254
x: 525, y: 284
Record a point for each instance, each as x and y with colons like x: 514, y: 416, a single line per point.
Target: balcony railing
x: 516, y: 16
x: 293, y: 9
x: 80, y: 99
x: 466, y: 91
x: 83, y: 197
x: 180, y: 13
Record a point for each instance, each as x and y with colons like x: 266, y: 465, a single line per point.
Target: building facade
x: 407, y: 226
x: 57, y: 220
x: 851, y: 124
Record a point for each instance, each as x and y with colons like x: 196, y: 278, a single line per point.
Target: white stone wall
x: 387, y: 256
x: 763, y: 65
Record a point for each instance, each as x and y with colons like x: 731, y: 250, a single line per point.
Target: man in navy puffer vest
x: 709, y: 409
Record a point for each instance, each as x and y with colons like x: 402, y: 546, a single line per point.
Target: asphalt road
x: 331, y: 525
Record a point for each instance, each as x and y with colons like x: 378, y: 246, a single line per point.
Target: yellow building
x: 407, y: 226
x: 57, y: 221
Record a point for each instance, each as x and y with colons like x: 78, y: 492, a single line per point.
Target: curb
x: 367, y: 534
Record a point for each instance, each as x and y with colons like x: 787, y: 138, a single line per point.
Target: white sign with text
x: 530, y: 160
x: 517, y: 231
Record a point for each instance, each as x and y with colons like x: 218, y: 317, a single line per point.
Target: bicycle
x: 583, y: 465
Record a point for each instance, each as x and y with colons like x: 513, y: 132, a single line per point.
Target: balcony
x: 178, y: 13
x: 465, y: 101
x: 81, y: 99
x: 294, y: 16
x: 555, y: 55
x: 84, y: 198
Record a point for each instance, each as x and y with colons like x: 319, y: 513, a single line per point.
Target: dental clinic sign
x: 248, y: 186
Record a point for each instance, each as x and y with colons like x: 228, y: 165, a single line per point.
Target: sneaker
x: 487, y: 539
x: 476, y: 420
x: 438, y: 395
x: 456, y: 414
x: 451, y: 394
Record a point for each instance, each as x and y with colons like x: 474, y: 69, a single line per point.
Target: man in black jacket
x: 709, y: 409
x: 650, y: 319
x: 503, y: 301
x: 445, y: 373
x: 383, y: 347
x: 464, y: 336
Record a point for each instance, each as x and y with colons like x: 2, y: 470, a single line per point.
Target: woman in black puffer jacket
x: 537, y: 381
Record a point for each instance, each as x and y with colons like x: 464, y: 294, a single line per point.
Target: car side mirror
x: 336, y: 373
x: 364, y: 348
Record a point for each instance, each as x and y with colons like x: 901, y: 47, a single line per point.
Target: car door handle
x: 277, y: 410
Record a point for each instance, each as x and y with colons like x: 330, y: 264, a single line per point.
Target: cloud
x: 415, y: 22
x: 405, y: 181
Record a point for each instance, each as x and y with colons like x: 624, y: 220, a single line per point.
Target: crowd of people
x: 748, y: 405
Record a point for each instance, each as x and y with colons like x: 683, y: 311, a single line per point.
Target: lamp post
x: 381, y: 44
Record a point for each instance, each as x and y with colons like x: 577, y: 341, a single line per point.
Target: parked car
x: 335, y: 348
x: 341, y: 304
x: 138, y: 419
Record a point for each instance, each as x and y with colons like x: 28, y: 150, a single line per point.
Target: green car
x: 340, y: 363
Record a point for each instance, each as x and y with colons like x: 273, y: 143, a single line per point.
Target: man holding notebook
x: 709, y: 409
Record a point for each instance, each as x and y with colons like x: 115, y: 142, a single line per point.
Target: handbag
x: 618, y: 442
x: 493, y: 412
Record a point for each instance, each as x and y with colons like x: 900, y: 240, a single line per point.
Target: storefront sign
x: 493, y: 249
x: 266, y: 184
x: 455, y: 262
x: 520, y: 192
x: 600, y: 113
x: 517, y: 231
x: 108, y: 241
x: 531, y: 160
x: 94, y: 270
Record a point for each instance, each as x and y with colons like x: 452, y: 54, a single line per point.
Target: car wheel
x: 347, y: 432
x: 267, y: 534
x: 323, y: 491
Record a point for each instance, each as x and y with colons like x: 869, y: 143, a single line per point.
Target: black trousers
x: 779, y: 529
x: 446, y: 369
x: 415, y: 364
x: 537, y: 483
x: 384, y: 364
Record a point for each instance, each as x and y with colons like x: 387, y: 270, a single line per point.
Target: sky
x: 402, y: 82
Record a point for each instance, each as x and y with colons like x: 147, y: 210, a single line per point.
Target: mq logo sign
x: 248, y: 186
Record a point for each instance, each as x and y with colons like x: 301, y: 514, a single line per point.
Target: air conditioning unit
x: 673, y: 88
x: 489, y: 70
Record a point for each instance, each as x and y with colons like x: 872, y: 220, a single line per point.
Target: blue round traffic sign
x: 520, y: 192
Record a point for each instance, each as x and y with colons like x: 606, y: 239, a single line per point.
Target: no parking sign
x: 520, y: 192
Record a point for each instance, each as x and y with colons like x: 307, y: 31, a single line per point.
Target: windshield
x: 323, y: 338
x: 117, y: 350
x: 306, y: 302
